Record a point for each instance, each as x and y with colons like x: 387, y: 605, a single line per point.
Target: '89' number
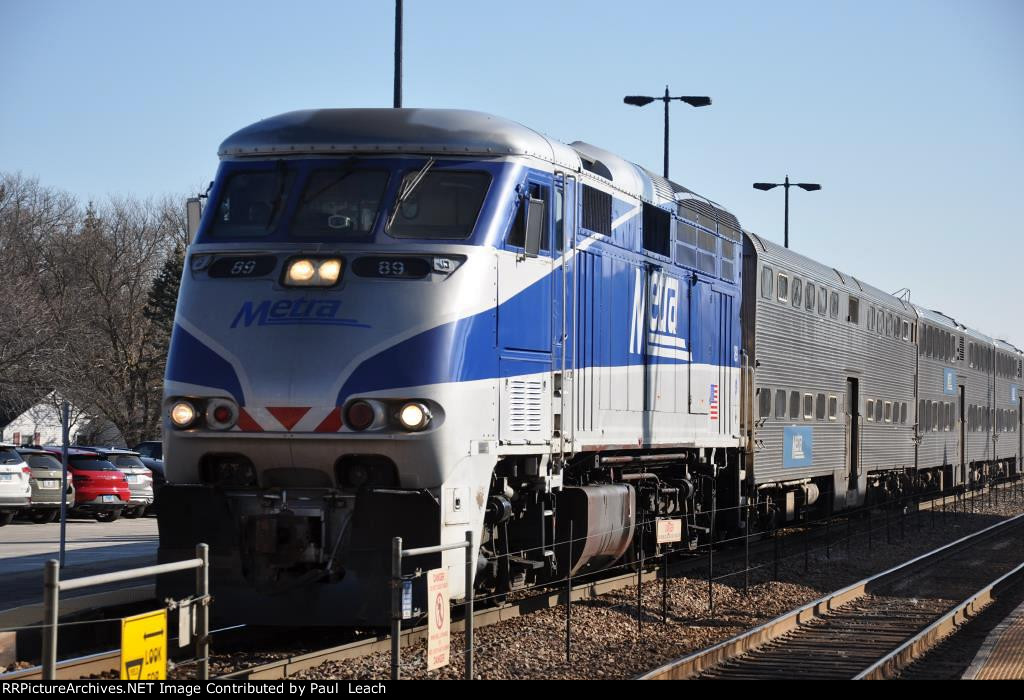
x: 243, y: 267
x: 390, y: 268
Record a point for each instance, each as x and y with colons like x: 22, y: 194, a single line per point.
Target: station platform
x: 1001, y: 656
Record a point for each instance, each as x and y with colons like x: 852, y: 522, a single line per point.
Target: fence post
x: 568, y: 598
x: 203, y: 623
x: 51, y: 599
x: 746, y: 551
x: 396, y: 605
x: 469, y: 605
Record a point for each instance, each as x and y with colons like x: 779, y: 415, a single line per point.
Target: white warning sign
x: 439, y: 637
x: 670, y: 530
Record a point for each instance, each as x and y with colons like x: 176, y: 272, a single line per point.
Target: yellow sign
x: 144, y: 647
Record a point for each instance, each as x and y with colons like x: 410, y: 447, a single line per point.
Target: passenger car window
x: 794, y: 405
x: 869, y: 413
x: 767, y: 277
x: 878, y: 411
x: 783, y: 287
x: 833, y: 407
x: 808, y: 406
x: 888, y: 412
x: 780, y: 403
x: 834, y: 305
x: 822, y: 301
x: 819, y: 407
x: 809, y: 303
x: 764, y: 401
x: 797, y: 292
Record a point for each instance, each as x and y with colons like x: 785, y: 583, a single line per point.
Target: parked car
x: 101, y: 489
x: 140, y: 478
x: 45, y: 480
x: 15, y: 489
x: 156, y: 466
x: 152, y: 449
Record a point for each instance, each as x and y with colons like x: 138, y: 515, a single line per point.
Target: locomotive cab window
x: 538, y: 196
x: 339, y: 203
x: 445, y: 205
x: 252, y: 203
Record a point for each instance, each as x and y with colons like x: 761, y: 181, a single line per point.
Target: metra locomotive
x: 422, y: 322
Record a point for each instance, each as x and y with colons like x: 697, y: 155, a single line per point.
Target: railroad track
x: 289, y: 664
x: 876, y: 627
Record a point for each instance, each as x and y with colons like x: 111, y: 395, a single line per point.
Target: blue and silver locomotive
x: 422, y: 322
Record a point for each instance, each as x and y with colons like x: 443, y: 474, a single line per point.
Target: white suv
x: 15, y: 484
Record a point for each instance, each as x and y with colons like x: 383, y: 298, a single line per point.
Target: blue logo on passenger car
x: 797, y: 446
x: 1014, y: 393
x: 300, y: 312
x: 948, y: 381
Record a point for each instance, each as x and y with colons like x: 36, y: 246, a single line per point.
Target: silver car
x: 140, y: 478
x: 45, y: 481
x: 15, y: 490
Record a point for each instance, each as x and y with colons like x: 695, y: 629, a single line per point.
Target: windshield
x: 92, y: 464
x: 43, y: 462
x: 340, y: 203
x: 445, y: 205
x: 9, y: 456
x: 126, y: 461
x: 346, y: 199
x: 252, y: 203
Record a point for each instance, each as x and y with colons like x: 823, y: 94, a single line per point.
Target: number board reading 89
x: 243, y: 266
x: 391, y: 267
x: 144, y: 647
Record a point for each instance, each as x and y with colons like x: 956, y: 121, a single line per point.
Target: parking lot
x: 92, y: 547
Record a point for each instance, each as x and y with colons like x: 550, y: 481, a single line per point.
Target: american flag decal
x: 713, y: 411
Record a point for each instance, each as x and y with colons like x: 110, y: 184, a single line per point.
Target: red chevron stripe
x: 288, y: 416
x: 246, y: 423
x: 331, y: 423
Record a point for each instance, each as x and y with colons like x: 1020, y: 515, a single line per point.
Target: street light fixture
x: 643, y: 100
x: 807, y: 186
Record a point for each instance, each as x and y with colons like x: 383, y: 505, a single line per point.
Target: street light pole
x: 398, y: 53
x: 642, y: 100
x: 786, y: 184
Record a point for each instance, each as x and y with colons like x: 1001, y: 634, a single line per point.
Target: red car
x: 101, y: 489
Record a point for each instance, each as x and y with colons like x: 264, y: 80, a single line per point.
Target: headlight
x: 310, y: 272
x: 414, y: 416
x: 183, y: 414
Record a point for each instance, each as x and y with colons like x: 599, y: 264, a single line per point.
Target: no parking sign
x: 439, y: 636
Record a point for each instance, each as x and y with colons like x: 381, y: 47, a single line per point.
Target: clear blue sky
x: 910, y: 113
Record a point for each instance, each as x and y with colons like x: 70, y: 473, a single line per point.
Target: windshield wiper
x: 281, y: 167
x: 407, y: 190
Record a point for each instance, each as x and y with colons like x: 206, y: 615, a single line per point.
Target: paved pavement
x: 91, y: 548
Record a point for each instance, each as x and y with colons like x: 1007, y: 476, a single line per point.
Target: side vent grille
x: 525, y: 405
x: 960, y: 349
x: 597, y: 210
